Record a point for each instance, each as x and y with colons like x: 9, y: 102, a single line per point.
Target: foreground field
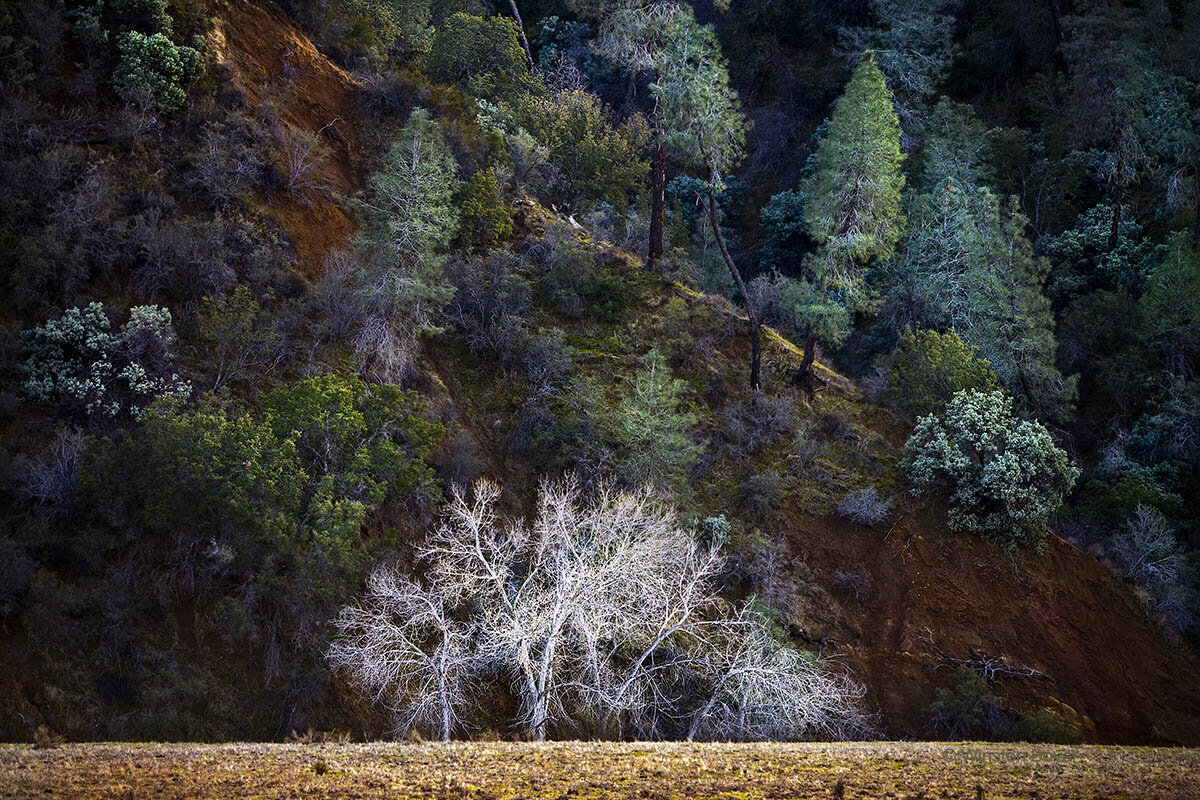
x: 585, y: 770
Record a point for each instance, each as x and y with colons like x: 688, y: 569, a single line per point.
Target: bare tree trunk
x: 443, y: 691
x: 521, y: 29
x: 1196, y: 207
x: 630, y: 92
x: 751, y: 311
x: 698, y: 720
x: 1118, y: 196
x: 658, y: 201
x: 805, y: 378
x: 370, y: 362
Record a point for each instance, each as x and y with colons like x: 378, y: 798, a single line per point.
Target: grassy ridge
x: 593, y: 770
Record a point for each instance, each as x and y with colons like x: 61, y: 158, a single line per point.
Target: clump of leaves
x: 929, y: 367
x: 77, y: 361
x: 155, y: 72
x: 485, y: 219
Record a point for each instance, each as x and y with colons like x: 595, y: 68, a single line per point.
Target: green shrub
x: 267, y: 511
x: 929, y: 367
x: 485, y: 219
x: 155, y: 72
x: 762, y: 491
x: 147, y: 16
x: 639, y: 437
x: 594, y: 161
x: 786, y: 231
x: 1005, y: 477
x: 714, y: 531
x: 969, y: 711
x: 481, y: 56
x: 572, y: 279
x: 373, y: 440
x: 1045, y: 726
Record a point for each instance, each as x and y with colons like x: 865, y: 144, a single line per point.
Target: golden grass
x: 579, y: 770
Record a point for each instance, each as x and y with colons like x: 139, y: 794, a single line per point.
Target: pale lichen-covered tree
x: 600, y: 614
x: 408, y: 218
x: 1004, y: 477
x: 967, y: 265
x: 402, y: 647
x: 1155, y: 560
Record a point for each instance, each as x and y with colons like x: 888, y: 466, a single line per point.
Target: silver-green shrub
x: 77, y: 361
x: 1004, y: 476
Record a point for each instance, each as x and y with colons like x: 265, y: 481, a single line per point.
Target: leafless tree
x: 304, y: 153
x: 601, y: 611
x: 1155, y: 560
x: 52, y: 481
x: 402, y: 647
x: 865, y: 507
x: 763, y: 689
x: 1147, y: 547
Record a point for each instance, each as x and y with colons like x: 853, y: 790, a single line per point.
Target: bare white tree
x: 53, y: 479
x: 1155, y: 560
x: 601, y: 612
x: 403, y: 649
x: 761, y: 689
x: 1147, y: 547
x: 304, y: 153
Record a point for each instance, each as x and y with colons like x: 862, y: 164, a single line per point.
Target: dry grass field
x: 588, y: 770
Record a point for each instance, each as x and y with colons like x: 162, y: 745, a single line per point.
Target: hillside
x: 128, y: 608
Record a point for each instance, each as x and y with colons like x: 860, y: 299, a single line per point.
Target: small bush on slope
x: 1004, y: 477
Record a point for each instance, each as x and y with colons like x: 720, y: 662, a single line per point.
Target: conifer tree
x: 697, y: 116
x: 854, y: 210
x: 632, y: 36
x: 967, y: 265
x: 855, y: 207
x: 408, y: 219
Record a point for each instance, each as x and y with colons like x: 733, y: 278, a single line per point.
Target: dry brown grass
x: 590, y: 770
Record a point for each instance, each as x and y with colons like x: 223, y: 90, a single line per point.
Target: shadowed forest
x: 630, y: 370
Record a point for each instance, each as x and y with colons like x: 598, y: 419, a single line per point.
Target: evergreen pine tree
x: 854, y: 213
x: 408, y: 219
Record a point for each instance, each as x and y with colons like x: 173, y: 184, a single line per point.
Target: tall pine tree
x: 854, y: 213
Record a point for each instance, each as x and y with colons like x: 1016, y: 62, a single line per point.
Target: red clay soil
x: 269, y: 58
x: 935, y: 596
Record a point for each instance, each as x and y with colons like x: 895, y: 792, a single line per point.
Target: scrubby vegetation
x: 781, y: 325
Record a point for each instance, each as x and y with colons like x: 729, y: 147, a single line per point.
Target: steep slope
x: 1101, y: 664
x: 898, y: 604
x: 258, y: 46
x: 901, y: 603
